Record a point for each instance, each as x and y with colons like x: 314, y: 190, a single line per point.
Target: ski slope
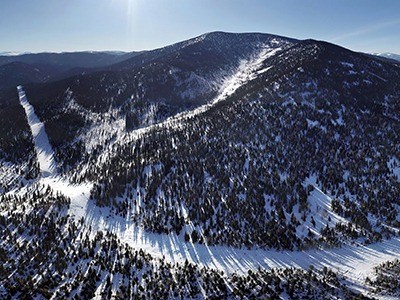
x: 354, y: 261
x: 45, y: 154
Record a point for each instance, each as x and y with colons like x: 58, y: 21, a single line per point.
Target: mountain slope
x: 240, y: 152
x: 44, y: 151
x: 244, y: 150
x: 52, y: 211
x: 249, y: 164
x: 388, y: 55
x: 149, y: 93
x: 67, y: 60
x: 16, y: 73
x: 17, y: 153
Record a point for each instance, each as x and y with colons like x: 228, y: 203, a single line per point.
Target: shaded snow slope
x: 45, y: 154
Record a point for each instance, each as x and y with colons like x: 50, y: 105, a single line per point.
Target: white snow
x: 13, y: 53
x: 44, y: 151
x: 311, y: 123
x: 394, y: 167
x: 264, y: 70
x: 347, y: 64
x: 247, y: 70
x: 354, y: 262
x: 388, y: 55
x: 377, y: 76
x: 79, y: 194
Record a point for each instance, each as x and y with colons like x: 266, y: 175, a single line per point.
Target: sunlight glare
x: 127, y: 10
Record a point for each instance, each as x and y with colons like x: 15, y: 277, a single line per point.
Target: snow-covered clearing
x: 353, y: 261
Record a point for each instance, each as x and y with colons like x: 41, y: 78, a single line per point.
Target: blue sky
x: 129, y: 25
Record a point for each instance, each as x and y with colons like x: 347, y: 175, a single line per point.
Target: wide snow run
x: 45, y: 154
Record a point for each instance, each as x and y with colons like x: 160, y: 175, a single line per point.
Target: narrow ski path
x: 45, y: 154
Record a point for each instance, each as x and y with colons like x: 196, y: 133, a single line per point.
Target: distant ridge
x: 388, y: 55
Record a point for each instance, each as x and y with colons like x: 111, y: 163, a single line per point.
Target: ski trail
x: 45, y: 154
x: 246, y: 72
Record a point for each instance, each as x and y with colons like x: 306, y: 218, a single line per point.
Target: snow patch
x: 312, y: 124
x: 347, y: 64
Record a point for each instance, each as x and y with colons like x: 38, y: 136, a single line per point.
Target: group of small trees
x: 386, y: 278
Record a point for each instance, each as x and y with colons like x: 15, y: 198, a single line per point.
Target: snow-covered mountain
x: 225, y: 166
x: 13, y: 53
x: 388, y: 55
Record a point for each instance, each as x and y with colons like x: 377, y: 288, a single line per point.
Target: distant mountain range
x: 232, y: 166
x: 43, y: 67
x: 13, y: 53
x: 388, y: 55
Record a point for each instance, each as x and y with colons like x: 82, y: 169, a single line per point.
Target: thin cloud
x: 365, y: 30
